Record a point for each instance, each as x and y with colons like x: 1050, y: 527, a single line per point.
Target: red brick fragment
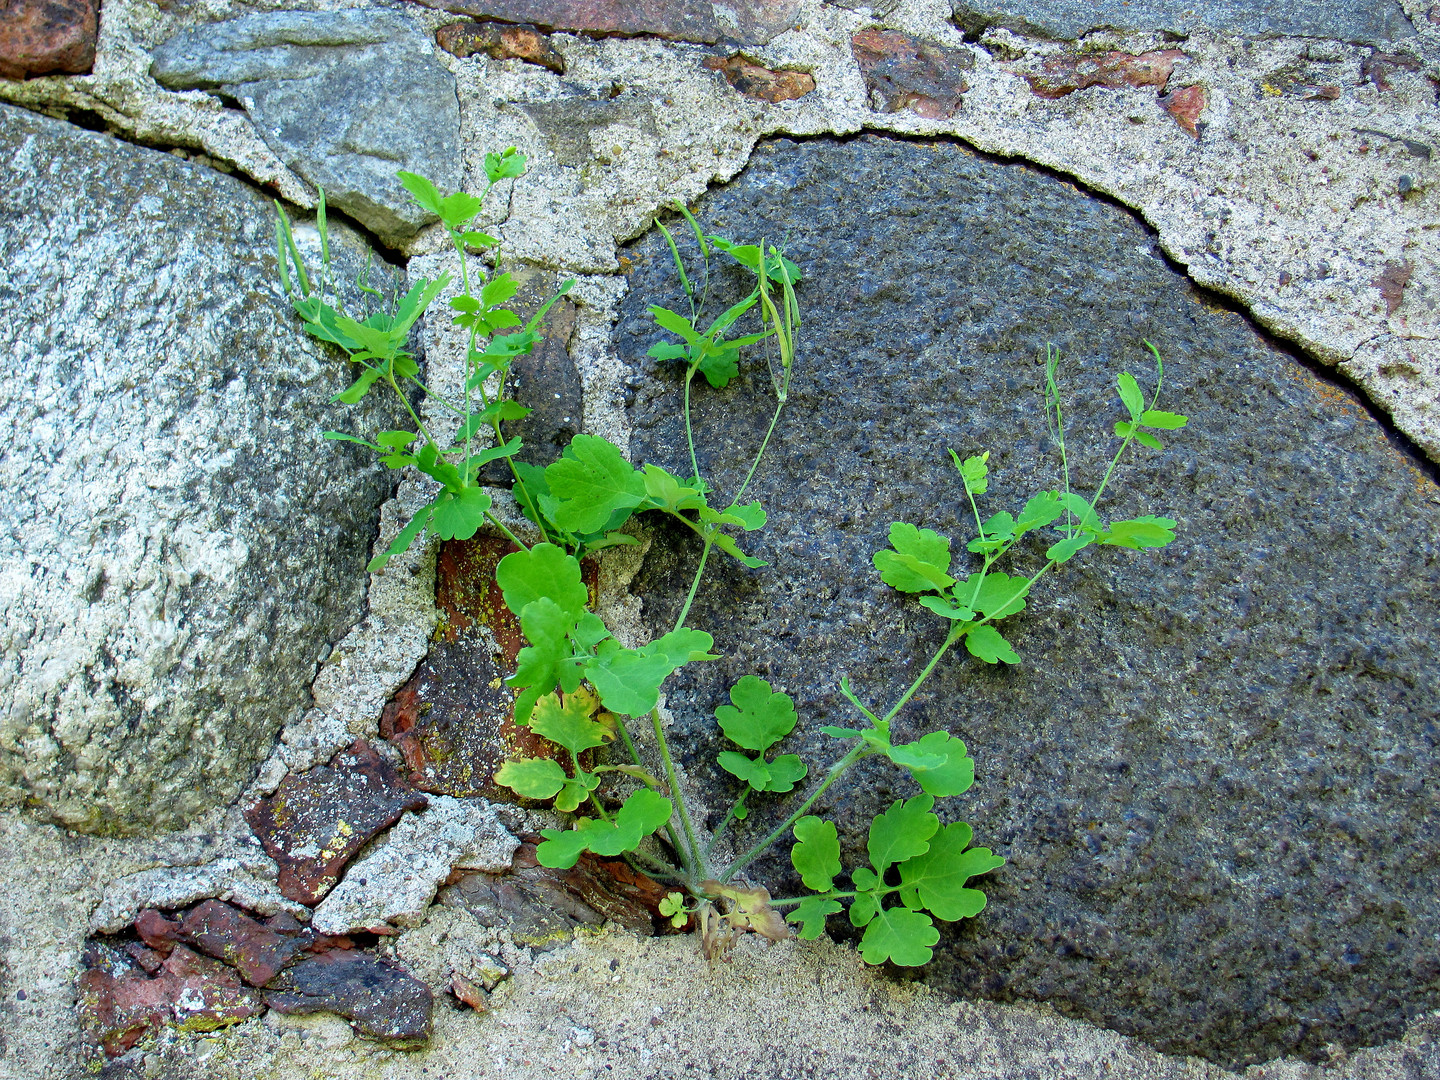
x: 1068, y: 72
x: 44, y: 37
x: 157, y: 931
x: 761, y: 83
x: 468, y: 993
x: 317, y: 820
x: 1378, y: 67
x: 454, y: 720
x: 1186, y: 105
x: 119, y: 1005
x: 503, y: 41
x: 257, y: 951
x: 1392, y: 282
x: 905, y: 72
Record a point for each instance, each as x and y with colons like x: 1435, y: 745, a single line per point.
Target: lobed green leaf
x: 816, y: 855
x: 939, y: 876
x: 545, y: 570
x: 592, y: 482
x: 985, y: 643
x: 810, y: 914
x: 758, y: 717
x: 534, y: 778
x: 899, y: 935
x: 902, y: 832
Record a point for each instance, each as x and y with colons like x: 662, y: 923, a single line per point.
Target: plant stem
x: 715, y: 837
x: 695, y: 583
x: 775, y: 419
x: 836, y: 771
x: 505, y: 529
x: 689, y: 434
x: 694, y: 858
x: 950, y: 639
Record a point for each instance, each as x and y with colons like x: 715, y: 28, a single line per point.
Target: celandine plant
x: 581, y: 689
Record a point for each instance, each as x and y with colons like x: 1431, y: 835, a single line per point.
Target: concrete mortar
x: 1274, y: 205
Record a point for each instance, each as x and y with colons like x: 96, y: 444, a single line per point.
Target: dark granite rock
x: 747, y: 22
x: 380, y: 998
x: 317, y: 820
x: 45, y: 37
x: 546, y: 380
x: 344, y: 98
x: 503, y: 41
x: 180, y: 543
x: 1363, y: 22
x: 1211, y: 775
x: 904, y: 72
x: 761, y: 83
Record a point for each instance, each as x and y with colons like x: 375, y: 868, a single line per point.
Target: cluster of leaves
x: 919, y: 560
x: 576, y: 684
x: 377, y: 343
x: 913, y: 858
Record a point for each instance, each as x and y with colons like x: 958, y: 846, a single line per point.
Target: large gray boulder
x: 344, y: 98
x: 178, y: 546
x: 1212, y: 775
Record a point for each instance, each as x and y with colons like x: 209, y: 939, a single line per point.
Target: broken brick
x: 904, y: 72
x: 761, y: 83
x: 1069, y: 72
x: 454, y: 720
x: 377, y: 996
x: 120, y: 1004
x: 1392, y: 282
x: 1186, y: 105
x: 468, y: 993
x: 45, y: 37
x: 502, y: 41
x: 1378, y: 67
x: 257, y: 951
x: 317, y: 820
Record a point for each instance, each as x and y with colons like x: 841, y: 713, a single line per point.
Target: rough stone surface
x: 1209, y: 775
x: 760, y: 83
x: 344, y: 98
x: 178, y: 547
x: 746, y: 22
x: 902, y: 72
x: 316, y: 821
x: 503, y: 41
x: 1365, y: 22
x: 540, y: 906
x: 379, y: 997
x: 393, y: 883
x: 38, y: 37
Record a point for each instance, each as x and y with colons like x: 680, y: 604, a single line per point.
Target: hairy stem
x: 694, y: 858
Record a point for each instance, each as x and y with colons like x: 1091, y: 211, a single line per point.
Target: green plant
x: 580, y: 688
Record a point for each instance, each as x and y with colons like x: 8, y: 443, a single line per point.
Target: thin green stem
x: 695, y: 860
x: 950, y: 639
x: 695, y: 583
x: 734, y: 809
x: 505, y: 529
x: 689, y: 434
x: 775, y: 419
x: 836, y: 771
